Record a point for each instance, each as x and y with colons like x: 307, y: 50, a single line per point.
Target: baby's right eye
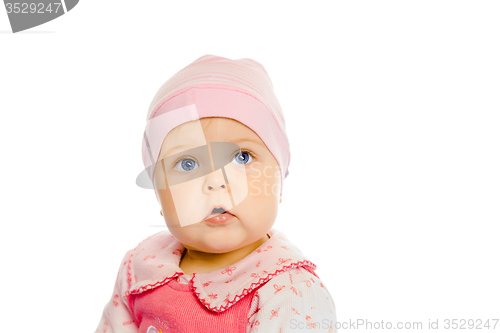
x: 186, y: 164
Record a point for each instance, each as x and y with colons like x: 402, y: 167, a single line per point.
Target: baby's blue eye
x: 186, y: 165
x: 242, y: 157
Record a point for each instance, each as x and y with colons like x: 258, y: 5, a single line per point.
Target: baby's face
x: 217, y: 162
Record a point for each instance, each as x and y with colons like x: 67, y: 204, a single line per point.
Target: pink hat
x: 213, y: 86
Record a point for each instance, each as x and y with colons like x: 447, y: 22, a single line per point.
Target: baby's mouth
x: 217, y: 211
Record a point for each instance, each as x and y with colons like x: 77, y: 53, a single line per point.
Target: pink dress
x: 273, y: 289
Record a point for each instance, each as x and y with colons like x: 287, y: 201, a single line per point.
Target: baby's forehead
x: 215, y: 127
x: 200, y: 132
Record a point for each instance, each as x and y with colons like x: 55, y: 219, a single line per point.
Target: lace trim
x: 221, y: 308
x: 157, y: 284
x: 246, y: 291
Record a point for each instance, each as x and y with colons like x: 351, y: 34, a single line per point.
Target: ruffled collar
x: 155, y: 261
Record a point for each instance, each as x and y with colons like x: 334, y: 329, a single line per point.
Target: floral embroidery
x: 254, y: 326
x: 212, y: 296
x: 274, y: 313
x: 226, y: 300
x: 257, y: 275
x: 295, y: 291
x: 278, y: 288
x: 281, y: 261
x: 259, y: 250
x: 206, y: 284
x: 228, y: 270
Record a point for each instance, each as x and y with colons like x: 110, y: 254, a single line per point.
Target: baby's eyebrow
x: 189, y: 146
x: 180, y: 147
x: 248, y: 140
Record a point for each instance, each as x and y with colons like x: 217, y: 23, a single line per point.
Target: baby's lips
x: 210, y: 214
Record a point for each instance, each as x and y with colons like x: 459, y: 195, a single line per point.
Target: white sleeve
x: 116, y: 316
x: 294, y: 301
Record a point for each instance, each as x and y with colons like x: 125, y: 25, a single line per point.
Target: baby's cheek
x: 264, y: 183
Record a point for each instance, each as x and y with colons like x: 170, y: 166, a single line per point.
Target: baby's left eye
x: 187, y: 164
x: 243, y: 157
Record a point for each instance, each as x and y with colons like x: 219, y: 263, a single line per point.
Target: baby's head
x: 217, y: 152
x: 246, y: 186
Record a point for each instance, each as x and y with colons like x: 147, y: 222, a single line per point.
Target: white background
x: 393, y: 116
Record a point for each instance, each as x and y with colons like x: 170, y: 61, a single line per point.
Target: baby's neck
x: 200, y: 262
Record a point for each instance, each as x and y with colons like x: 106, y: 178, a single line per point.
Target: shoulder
x: 294, y: 282
x: 146, y: 249
x: 299, y: 286
x: 296, y: 298
x: 151, y: 245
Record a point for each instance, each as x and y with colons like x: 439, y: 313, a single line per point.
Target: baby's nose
x: 222, y: 186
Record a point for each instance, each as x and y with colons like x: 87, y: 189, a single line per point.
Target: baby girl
x: 216, y: 153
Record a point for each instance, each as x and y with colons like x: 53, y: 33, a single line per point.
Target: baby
x: 216, y: 153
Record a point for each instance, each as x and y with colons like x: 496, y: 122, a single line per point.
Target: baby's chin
x: 217, y: 240
x: 220, y: 248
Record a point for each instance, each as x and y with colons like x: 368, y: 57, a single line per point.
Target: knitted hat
x: 213, y: 86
